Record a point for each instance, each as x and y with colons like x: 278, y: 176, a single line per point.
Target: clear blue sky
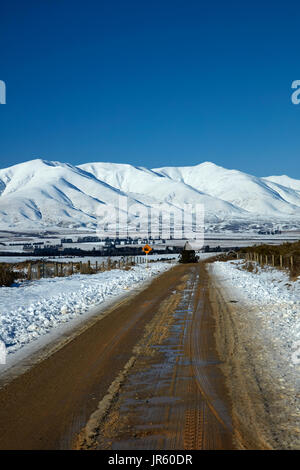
x: 151, y: 83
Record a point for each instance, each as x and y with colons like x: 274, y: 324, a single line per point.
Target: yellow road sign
x: 147, y: 249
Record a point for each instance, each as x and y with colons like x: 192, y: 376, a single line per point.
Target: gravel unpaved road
x: 173, y: 395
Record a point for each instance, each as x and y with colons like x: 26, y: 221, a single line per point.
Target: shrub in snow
x: 7, y: 275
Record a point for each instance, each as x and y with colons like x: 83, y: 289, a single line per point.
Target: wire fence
x: 279, y: 261
x: 46, y: 269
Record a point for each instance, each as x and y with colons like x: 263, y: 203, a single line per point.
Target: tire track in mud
x: 244, y: 413
x: 204, y: 358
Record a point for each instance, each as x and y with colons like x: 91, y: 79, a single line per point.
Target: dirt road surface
x: 146, y: 376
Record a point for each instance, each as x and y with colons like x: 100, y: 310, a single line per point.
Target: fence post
x: 39, y: 270
x: 273, y: 260
x: 29, y: 272
x: 280, y: 261
x: 266, y: 259
x: 292, y: 262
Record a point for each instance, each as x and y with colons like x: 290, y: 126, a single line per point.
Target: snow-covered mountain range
x: 40, y: 194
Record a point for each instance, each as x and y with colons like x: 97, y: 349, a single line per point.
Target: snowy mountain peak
x: 285, y: 180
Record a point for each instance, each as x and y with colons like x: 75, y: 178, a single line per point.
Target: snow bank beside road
x: 32, y: 309
x: 276, y: 298
x: 258, y: 333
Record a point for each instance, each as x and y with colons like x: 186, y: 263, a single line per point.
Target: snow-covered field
x: 34, y: 308
x: 260, y: 337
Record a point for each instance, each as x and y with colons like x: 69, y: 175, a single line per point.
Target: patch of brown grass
x: 250, y: 267
x: 285, y: 249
